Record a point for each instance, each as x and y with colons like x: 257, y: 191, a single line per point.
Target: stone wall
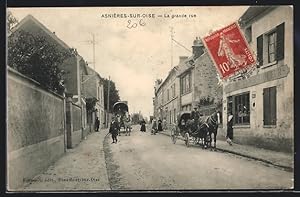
x: 35, y: 128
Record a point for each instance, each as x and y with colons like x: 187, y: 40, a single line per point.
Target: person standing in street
x: 159, y: 125
x: 229, y: 136
x: 143, y: 126
x: 113, y: 130
x: 97, y: 124
x: 165, y: 124
x: 154, y: 127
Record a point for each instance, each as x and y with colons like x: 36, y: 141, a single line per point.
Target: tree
x: 113, y: 94
x: 37, y: 58
x: 135, y: 118
x: 11, y: 21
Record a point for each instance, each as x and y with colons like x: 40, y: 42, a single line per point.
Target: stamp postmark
x: 229, y: 50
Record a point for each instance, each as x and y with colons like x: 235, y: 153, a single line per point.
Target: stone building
x: 192, y: 83
x: 198, y: 82
x: 263, y: 103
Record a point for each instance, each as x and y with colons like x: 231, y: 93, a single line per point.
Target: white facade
x: 267, y: 96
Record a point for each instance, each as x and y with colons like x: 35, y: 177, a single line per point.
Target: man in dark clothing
x: 195, y: 115
x: 113, y: 129
x: 97, y: 124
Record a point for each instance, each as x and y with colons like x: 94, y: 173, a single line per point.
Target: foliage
x: 37, y: 58
x: 135, y: 118
x: 11, y: 21
x: 205, y: 101
x: 90, y: 104
x: 113, y: 94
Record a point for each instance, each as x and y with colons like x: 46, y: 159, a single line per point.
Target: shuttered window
x: 269, y: 106
x: 271, y: 46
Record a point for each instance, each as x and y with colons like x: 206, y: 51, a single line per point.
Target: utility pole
x: 172, y: 37
x: 93, y: 42
x: 108, y: 88
x: 94, y: 58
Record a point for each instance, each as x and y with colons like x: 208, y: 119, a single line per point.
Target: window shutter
x: 273, y: 110
x: 260, y: 50
x: 280, y: 42
x: 266, y: 106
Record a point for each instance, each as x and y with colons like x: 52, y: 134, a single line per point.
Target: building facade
x: 199, y: 82
x: 263, y: 104
x: 166, y: 98
x: 92, y: 88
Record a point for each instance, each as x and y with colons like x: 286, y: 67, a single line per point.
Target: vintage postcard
x: 150, y: 98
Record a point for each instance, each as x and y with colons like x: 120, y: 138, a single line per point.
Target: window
x: 269, y: 105
x: 271, y: 47
x: 186, y: 83
x: 168, y: 94
x: 239, y: 104
x: 174, y: 115
x: 173, y: 90
x: 170, y: 117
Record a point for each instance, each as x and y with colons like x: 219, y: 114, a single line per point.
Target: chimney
x: 198, y: 48
x: 182, y: 58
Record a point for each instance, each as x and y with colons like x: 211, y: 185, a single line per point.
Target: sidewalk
x: 278, y: 159
x: 81, y: 168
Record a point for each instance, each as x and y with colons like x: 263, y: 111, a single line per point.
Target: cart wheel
x: 187, y: 139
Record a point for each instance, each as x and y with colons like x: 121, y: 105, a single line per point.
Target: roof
x: 254, y: 12
x: 174, y: 69
x: 30, y: 18
x: 185, y: 66
x: 92, y: 71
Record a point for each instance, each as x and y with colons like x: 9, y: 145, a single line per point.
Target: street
x: 152, y: 162
x: 143, y: 161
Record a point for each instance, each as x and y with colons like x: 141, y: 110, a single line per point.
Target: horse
x: 203, y: 130
x: 127, y: 126
x: 211, y: 126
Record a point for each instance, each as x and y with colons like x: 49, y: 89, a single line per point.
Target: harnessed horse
x: 212, y: 123
x: 127, y: 125
x: 204, y: 129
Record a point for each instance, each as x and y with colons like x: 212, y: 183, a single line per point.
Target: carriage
x: 120, y: 110
x: 196, y: 133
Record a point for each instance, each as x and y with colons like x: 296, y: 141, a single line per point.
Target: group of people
x: 157, y: 125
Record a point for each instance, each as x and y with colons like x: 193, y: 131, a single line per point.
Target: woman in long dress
x: 143, y: 126
x: 159, y: 125
x: 229, y: 135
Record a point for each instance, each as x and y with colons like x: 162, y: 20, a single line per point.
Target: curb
x: 286, y: 168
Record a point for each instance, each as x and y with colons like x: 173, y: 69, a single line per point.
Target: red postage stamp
x: 229, y: 50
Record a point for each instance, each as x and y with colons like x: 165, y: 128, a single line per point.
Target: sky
x: 133, y: 57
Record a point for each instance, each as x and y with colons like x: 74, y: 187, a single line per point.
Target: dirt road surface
x: 152, y: 162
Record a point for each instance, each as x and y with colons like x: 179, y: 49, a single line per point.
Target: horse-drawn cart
x: 120, y: 110
x: 195, y: 131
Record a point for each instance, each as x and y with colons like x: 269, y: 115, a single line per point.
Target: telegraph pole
x: 94, y: 58
x: 172, y: 37
x: 108, y: 88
